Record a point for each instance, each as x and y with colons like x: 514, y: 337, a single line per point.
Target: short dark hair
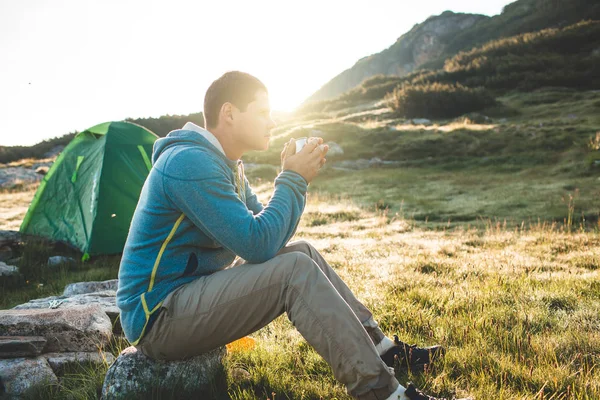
x: 235, y: 87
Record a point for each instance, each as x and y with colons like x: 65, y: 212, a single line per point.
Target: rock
x: 475, y: 118
x: 37, y: 165
x: 105, y: 299
x: 90, y: 287
x: 334, y: 149
x: 240, y: 375
x: 42, y: 170
x: 571, y: 116
x: 421, y: 121
x: 83, y: 328
x: 6, y: 270
x: 17, y: 375
x: 21, y: 346
x: 375, y: 162
x: 13, y: 176
x: 10, y: 238
x: 133, y: 375
x: 351, y: 165
x: 361, y: 163
x: 9, y: 274
x: 59, y: 361
x: 58, y: 260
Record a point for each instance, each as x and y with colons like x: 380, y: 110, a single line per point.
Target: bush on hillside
x: 166, y: 123
x: 13, y: 153
x: 437, y: 100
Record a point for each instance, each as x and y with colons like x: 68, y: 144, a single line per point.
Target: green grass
x: 517, y: 308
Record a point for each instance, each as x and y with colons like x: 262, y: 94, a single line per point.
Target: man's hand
x: 308, y: 161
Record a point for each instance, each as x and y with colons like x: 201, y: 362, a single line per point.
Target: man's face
x: 252, y: 127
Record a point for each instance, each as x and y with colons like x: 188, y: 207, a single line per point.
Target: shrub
x: 437, y: 100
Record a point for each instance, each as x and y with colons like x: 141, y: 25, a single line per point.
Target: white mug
x: 300, y: 143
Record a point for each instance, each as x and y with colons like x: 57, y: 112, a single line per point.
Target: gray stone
x: 90, y: 287
x: 21, y: 346
x: 421, y: 121
x: 17, y: 375
x: 133, y: 375
x: 42, y: 164
x: 59, y: 361
x: 375, y: 162
x: 351, y: 165
x: 82, y: 328
x: 58, y: 260
x: 334, y: 149
x: 240, y: 375
x: 6, y: 269
x: 9, y: 238
x: 42, y: 170
x: 13, y: 176
x: 105, y: 299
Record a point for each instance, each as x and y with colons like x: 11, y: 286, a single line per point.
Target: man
x: 180, y: 291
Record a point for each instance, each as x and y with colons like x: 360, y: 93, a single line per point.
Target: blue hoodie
x: 196, y: 212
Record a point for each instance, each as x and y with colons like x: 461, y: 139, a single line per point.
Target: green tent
x: 88, y: 197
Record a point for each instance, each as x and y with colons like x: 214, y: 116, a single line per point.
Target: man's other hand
x: 308, y: 161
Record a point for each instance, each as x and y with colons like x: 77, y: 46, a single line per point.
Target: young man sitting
x: 180, y: 291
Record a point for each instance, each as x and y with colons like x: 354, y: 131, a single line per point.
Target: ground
x: 485, y: 238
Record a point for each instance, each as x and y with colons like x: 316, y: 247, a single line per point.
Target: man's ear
x: 227, y: 111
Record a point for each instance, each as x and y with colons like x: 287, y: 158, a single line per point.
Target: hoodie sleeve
x: 208, y: 198
x: 251, y: 200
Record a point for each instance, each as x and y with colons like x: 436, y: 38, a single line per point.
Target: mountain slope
x: 421, y: 44
x: 428, y: 44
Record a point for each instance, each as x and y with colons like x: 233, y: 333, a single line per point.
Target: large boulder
x: 60, y: 361
x: 90, y: 287
x: 82, y: 328
x: 134, y: 375
x: 17, y: 375
x: 21, y: 346
x: 105, y: 299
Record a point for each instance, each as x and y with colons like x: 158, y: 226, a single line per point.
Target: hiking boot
x: 412, y: 393
x: 410, y: 355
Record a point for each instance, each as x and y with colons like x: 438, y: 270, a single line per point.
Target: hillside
x: 565, y: 57
x: 422, y: 44
x: 430, y: 43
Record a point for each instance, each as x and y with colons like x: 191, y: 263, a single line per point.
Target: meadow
x: 484, y: 237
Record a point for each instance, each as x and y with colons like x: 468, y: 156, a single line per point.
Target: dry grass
x: 13, y: 206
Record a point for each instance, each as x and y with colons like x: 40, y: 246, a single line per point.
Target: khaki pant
x: 227, y: 305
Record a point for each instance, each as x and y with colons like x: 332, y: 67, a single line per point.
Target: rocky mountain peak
x: 423, y: 43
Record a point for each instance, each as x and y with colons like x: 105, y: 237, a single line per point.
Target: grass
x: 518, y: 308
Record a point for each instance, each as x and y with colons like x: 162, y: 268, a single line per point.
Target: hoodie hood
x: 190, y: 135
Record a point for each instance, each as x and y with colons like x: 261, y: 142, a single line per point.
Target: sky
x: 67, y: 65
